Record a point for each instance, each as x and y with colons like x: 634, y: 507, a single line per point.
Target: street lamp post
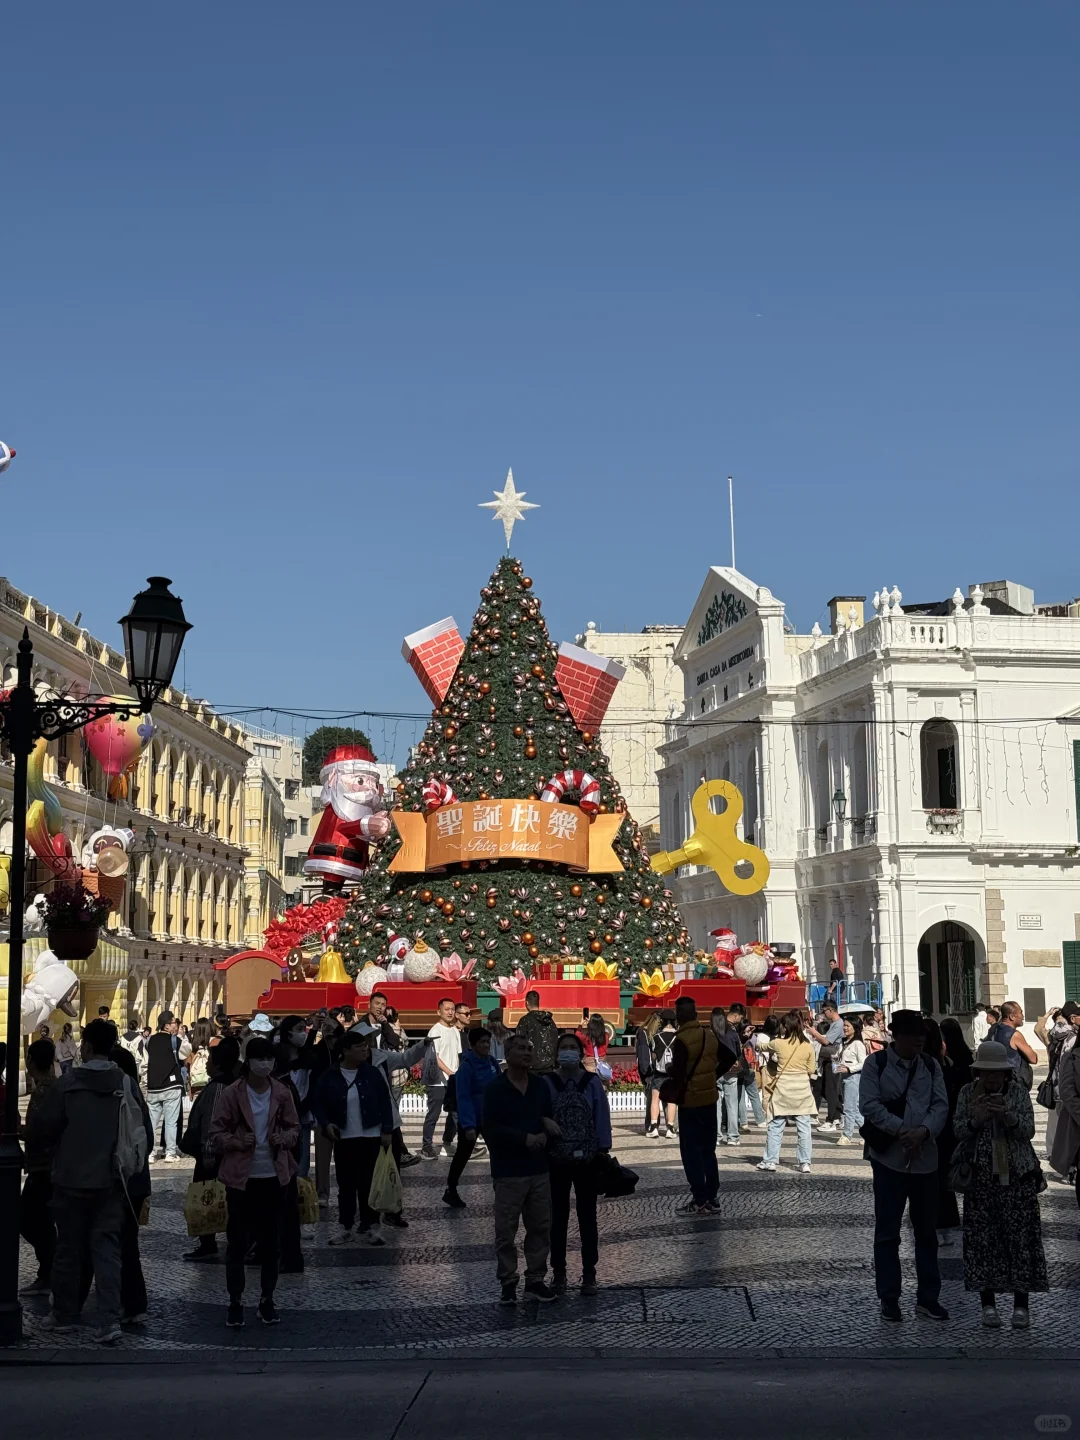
x: 154, y: 630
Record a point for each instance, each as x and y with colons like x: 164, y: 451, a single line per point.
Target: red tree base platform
x: 417, y: 1005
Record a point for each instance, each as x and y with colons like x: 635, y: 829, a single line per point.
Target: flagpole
x: 731, y: 512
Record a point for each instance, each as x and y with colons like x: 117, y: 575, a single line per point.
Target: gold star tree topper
x: 509, y: 506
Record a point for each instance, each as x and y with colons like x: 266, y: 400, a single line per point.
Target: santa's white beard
x: 352, y: 805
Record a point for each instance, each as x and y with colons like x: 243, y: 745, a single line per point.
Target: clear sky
x: 286, y: 288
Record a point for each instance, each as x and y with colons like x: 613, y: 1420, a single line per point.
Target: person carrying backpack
x: 579, y: 1107
x: 100, y: 1137
x: 663, y: 1053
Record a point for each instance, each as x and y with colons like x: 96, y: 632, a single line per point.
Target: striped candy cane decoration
x: 555, y: 788
x: 329, y: 935
x: 437, y: 794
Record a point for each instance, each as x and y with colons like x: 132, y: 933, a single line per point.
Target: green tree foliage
x: 502, y: 730
x: 319, y: 744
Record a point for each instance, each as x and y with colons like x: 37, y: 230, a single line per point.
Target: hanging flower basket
x: 73, y: 918
x: 72, y: 942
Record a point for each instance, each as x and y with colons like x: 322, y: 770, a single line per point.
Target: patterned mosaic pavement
x: 786, y: 1267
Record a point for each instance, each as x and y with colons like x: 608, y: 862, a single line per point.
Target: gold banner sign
x: 506, y: 830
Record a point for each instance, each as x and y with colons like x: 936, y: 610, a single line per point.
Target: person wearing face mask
x: 295, y: 1057
x: 254, y: 1129
x: 580, y: 1109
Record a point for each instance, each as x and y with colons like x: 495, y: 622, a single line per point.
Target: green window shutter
x: 1070, y: 955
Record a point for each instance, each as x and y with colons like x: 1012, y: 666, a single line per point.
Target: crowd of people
x: 273, y: 1105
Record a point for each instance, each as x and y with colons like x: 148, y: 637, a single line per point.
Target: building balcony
x: 945, y: 822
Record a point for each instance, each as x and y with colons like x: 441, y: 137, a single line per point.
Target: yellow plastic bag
x: 205, y: 1208
x: 307, y: 1200
x: 385, y: 1192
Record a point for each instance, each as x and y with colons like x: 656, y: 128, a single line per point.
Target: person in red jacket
x: 254, y: 1129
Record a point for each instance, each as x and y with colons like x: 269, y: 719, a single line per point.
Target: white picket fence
x: 622, y: 1102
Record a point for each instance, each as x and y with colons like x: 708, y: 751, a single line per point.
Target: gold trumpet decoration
x: 715, y: 842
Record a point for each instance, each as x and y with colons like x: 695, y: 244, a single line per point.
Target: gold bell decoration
x: 332, y: 969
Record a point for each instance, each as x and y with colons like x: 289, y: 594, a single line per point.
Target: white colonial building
x: 914, y: 779
x: 633, y: 727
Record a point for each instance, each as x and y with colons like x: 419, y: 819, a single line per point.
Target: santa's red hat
x: 357, y: 758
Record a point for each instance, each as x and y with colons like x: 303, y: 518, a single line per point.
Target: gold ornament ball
x: 489, y: 964
x: 646, y: 902
x: 527, y: 937
x: 491, y: 902
x: 485, y: 687
x: 648, y: 942
x: 534, y: 951
x: 519, y: 731
x: 538, y: 671
x: 426, y: 897
x: 530, y: 752
x: 596, y: 946
x: 601, y: 899
x: 609, y: 939
x: 575, y: 890
x: 586, y: 735
x: 449, y: 732
x: 526, y: 582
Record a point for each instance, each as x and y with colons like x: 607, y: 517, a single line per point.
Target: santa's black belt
x: 339, y: 852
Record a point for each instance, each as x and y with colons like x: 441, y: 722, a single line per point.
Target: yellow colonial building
x: 187, y: 901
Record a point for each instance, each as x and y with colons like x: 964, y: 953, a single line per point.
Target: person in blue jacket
x: 476, y: 1071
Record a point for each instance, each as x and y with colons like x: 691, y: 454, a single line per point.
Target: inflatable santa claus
x: 354, y: 816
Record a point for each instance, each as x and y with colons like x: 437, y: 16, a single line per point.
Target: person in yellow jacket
x: 696, y: 1062
x: 788, y: 1093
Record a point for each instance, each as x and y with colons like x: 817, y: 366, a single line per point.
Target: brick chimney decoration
x: 587, y: 683
x: 434, y: 653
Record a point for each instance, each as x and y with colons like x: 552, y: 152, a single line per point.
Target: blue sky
x: 287, y: 288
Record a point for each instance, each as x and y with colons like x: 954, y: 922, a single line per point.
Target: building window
x: 303, y: 825
x: 940, y: 772
x: 292, y: 789
x: 290, y: 829
x: 292, y: 864
x: 271, y: 752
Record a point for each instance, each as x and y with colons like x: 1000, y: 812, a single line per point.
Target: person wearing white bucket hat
x: 996, y: 1166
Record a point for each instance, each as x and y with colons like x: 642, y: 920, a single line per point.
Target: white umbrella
x: 856, y: 1008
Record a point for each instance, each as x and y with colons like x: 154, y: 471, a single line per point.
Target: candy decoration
x: 589, y: 788
x: 329, y: 935
x: 437, y: 794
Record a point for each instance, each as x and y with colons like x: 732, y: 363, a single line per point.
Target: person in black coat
x: 947, y: 1045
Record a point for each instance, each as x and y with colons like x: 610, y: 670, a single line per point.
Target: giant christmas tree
x: 502, y: 731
